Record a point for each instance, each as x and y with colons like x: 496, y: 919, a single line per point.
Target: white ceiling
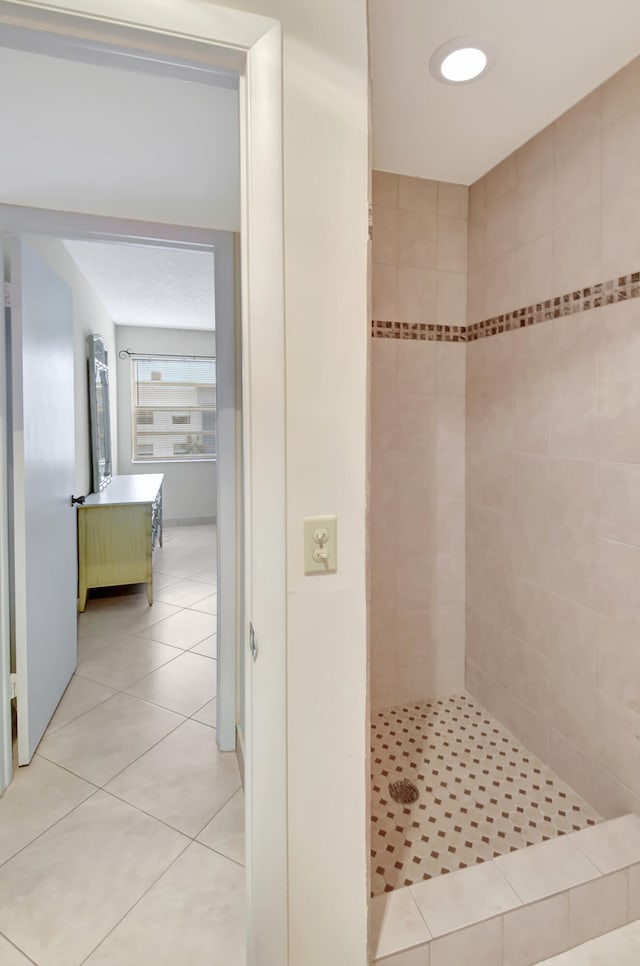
x: 142, y: 285
x: 550, y: 54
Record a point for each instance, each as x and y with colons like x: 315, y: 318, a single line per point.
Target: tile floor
x: 122, y: 842
x: 481, y: 793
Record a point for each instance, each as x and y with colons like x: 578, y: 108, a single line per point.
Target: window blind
x: 173, y: 408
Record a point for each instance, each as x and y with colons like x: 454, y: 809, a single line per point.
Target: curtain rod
x: 130, y: 354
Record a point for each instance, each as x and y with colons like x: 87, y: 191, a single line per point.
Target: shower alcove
x: 505, y: 550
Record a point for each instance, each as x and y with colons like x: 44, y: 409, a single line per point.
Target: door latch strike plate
x: 12, y: 679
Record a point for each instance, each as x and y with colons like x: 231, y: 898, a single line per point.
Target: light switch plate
x: 320, y: 545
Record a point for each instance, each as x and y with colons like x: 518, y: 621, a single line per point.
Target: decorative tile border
x: 418, y: 331
x: 619, y: 289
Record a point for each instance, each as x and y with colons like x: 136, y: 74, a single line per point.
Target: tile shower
x: 505, y: 518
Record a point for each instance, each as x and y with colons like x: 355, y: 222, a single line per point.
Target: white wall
x: 108, y: 164
x: 325, y: 189
x: 189, y: 489
x: 89, y: 317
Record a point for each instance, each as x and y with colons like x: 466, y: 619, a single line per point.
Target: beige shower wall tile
x: 453, y: 200
x: 533, y: 270
x: 385, y: 236
x: 618, y: 504
x: 620, y: 149
x: 417, y: 238
x: 572, y: 705
x: 418, y: 194
x: 534, y: 205
x: 577, y: 125
x: 413, y: 639
x: 500, y: 179
x: 385, y: 189
x: 452, y: 244
x: 577, y: 180
x: 618, y: 421
x: 500, y: 219
x: 618, y: 579
x: 573, y: 634
x: 621, y: 93
x: 531, y: 486
x: 617, y: 741
x: 530, y: 677
x: 619, y: 341
x: 450, y: 368
x: 573, y: 560
x: 385, y: 293
x: 499, y: 286
x: 417, y: 295
x: 477, y: 193
x: 536, y: 154
x: 573, y: 495
x: 620, y: 236
x: 577, y: 248
x: 618, y: 660
x: 451, y: 298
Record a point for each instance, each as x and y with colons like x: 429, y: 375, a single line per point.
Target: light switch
x: 320, y: 545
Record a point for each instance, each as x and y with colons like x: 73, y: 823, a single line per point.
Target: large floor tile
x: 183, y: 629
x: 128, y: 613
x: 225, y: 831
x: 208, y: 714
x: 10, y: 956
x: 81, y: 695
x: 208, y: 647
x: 208, y: 605
x: 209, y: 575
x: 183, y: 780
x: 184, y: 593
x: 62, y: 894
x: 119, y: 664
x: 619, y: 948
x: 193, y: 915
x: 611, y: 845
x: 179, y: 562
x: 38, y: 796
x: 104, y: 741
x: 183, y: 685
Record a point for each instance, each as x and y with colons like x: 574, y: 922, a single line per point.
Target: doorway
x: 263, y: 515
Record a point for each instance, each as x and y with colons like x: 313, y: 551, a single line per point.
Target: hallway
x: 122, y: 842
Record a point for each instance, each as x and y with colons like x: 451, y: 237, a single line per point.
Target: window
x: 173, y: 408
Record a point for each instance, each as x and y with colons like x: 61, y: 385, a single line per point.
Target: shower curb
x: 546, y: 899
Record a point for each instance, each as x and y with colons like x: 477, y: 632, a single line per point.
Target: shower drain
x: 403, y: 791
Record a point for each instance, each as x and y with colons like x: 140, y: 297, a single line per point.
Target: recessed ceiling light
x: 461, y: 60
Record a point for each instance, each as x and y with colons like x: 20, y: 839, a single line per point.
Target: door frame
x: 252, y: 44
x: 24, y: 222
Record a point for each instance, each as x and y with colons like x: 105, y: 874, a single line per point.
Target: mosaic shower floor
x: 481, y: 793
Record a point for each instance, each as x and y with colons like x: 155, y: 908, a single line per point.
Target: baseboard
x: 190, y: 522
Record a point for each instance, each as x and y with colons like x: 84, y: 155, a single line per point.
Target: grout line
x: 21, y: 951
x: 53, y: 824
x: 138, y: 900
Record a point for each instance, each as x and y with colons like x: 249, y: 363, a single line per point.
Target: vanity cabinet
x: 117, y: 531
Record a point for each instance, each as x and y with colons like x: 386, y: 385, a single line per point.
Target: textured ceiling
x: 550, y: 54
x: 142, y: 285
